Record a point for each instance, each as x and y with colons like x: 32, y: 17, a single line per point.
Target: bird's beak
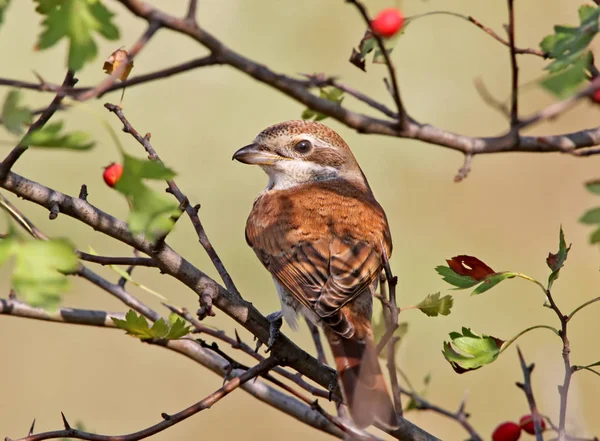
x: 254, y: 155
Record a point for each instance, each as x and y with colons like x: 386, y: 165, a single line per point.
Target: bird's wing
x: 323, y: 275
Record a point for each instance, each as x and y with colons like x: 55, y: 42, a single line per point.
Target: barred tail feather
x: 362, y: 381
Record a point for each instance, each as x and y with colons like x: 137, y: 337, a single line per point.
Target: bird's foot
x: 275, y: 324
x: 332, y: 386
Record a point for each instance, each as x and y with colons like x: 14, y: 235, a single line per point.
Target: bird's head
x: 298, y: 152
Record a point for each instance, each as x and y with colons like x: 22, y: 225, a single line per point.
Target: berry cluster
x: 510, y: 431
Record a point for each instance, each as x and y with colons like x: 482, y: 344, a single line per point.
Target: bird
x: 320, y: 232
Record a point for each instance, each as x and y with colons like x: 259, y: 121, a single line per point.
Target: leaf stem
x: 507, y: 343
x: 589, y: 302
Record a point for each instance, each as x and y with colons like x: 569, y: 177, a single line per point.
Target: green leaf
x: 491, y: 281
x: 14, y: 116
x: 433, y: 305
x: 568, y: 46
x: 565, y: 82
x: 178, y: 330
x: 152, y: 213
x: 556, y: 261
x: 329, y: 93
x: 593, y: 187
x: 591, y: 216
x: 595, y: 237
x: 50, y: 136
x: 454, y: 279
x: 137, y: 326
x: 76, y: 20
x: 40, y: 267
x: 3, y: 5
x: 468, y: 351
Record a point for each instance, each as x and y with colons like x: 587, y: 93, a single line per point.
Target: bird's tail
x: 361, y: 379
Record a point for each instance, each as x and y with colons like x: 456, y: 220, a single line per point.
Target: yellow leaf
x: 115, y: 59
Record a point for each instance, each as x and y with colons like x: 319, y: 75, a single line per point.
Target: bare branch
x: 191, y: 14
x: 183, y: 200
x: 460, y: 416
x: 186, y: 347
x: 105, y: 260
x: 168, y: 420
x: 527, y: 388
x: 514, y: 107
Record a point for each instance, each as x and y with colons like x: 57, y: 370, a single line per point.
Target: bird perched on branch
x: 322, y: 235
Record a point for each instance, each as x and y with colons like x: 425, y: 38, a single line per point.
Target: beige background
x: 507, y: 212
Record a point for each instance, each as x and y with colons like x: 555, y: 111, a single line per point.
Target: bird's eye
x: 303, y: 146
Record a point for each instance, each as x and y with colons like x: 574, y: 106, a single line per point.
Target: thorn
x: 197, y: 208
x: 65, y: 422
x: 165, y: 416
x: 12, y: 295
x: 54, y: 210
x: 31, y: 428
x: 83, y: 193
x: 237, y: 338
x: 520, y: 385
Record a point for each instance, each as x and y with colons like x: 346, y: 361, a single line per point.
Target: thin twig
x: 402, y: 116
x: 527, y: 388
x: 392, y: 320
x: 460, y: 416
x: 106, y: 260
x: 237, y: 343
x: 45, y: 116
x: 487, y: 98
x: 316, y: 336
x: 103, y: 87
x: 186, y: 347
x: 191, y: 14
x: 566, y: 352
x: 192, y: 212
x: 514, y: 107
x: 168, y: 420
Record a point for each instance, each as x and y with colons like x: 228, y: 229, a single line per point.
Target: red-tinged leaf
x: 470, y: 266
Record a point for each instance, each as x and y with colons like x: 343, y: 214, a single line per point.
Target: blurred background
x: 507, y: 212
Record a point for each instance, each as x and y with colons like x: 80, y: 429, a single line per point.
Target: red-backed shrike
x: 321, y: 234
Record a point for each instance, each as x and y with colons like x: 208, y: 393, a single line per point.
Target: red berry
x: 508, y: 431
x: 526, y: 423
x: 388, y: 22
x: 112, y: 174
x: 595, y: 97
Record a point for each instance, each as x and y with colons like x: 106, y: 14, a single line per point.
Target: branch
x: 168, y: 420
x: 514, y: 108
x: 186, y: 347
x: 299, y: 91
x: 460, y: 416
x: 192, y: 212
x: 45, y: 116
x: 105, y: 260
x: 402, y: 116
x: 170, y: 262
x: 101, y: 88
x: 566, y: 352
x: 528, y: 390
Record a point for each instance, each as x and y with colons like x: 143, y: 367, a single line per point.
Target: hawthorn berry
x: 595, y: 97
x: 388, y: 22
x: 507, y: 431
x: 526, y: 423
x: 112, y: 174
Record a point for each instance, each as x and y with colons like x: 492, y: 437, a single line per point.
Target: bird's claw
x: 332, y: 386
x: 275, y: 324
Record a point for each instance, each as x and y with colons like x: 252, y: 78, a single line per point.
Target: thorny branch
x: 228, y: 299
x: 574, y: 143
x: 528, y: 390
x: 168, y: 420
